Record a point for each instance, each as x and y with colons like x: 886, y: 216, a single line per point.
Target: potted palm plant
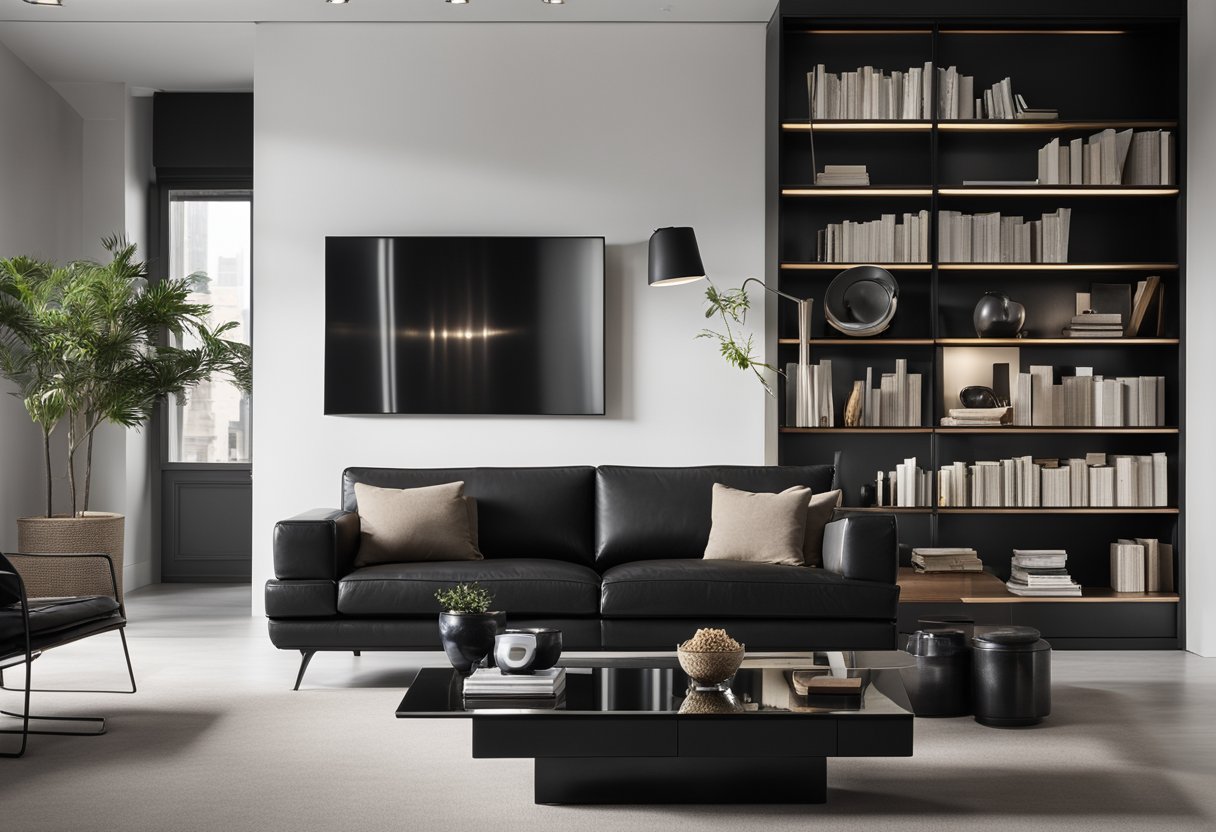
x: 82, y: 345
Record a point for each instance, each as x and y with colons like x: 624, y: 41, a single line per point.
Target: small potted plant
x: 466, y: 625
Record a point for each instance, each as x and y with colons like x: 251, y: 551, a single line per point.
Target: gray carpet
x: 215, y: 739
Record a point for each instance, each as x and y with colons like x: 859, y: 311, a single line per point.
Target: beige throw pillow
x: 818, y: 515
x: 404, y: 525
x: 758, y: 528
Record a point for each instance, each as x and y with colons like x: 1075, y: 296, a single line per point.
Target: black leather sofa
x: 611, y: 555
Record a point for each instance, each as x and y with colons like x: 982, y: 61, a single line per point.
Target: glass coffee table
x: 633, y: 730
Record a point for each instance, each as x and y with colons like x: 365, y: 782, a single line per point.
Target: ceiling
x: 186, y: 45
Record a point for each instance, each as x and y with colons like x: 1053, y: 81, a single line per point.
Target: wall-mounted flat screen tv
x: 464, y: 325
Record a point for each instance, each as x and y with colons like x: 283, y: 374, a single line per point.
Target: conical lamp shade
x: 674, y: 257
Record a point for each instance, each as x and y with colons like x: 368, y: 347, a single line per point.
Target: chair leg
x: 357, y: 652
x: 122, y: 633
x: 307, y: 657
x: 25, y: 717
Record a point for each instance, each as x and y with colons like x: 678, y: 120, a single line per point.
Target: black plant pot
x: 468, y: 637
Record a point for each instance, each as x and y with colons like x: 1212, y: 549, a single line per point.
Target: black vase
x: 996, y: 316
x: 468, y: 637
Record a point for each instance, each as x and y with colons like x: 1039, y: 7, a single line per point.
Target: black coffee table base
x: 650, y: 780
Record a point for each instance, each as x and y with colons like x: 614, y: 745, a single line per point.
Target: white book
x: 1127, y: 567
x: 1125, y: 481
x: 1101, y: 486
x: 1041, y: 395
x: 1160, y: 480
x: 901, y: 392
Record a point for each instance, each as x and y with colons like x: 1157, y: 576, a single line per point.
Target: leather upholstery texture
x: 775, y: 634
x: 521, y: 512
x: 863, y: 547
x: 729, y: 589
x: 317, y: 545
x: 654, y: 513
x: 520, y: 586
x: 56, y: 621
x: 409, y: 633
x: 301, y: 599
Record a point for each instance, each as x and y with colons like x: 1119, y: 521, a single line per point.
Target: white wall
x: 1200, y: 334
x: 40, y: 197
x: 609, y: 130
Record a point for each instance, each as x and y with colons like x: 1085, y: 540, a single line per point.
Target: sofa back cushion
x: 656, y: 513
x: 521, y: 512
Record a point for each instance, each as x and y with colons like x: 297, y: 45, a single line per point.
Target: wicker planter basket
x: 95, y: 531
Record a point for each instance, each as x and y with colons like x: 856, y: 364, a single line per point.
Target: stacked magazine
x: 489, y: 687
x: 1041, y: 572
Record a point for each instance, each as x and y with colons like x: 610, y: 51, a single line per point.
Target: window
x: 210, y: 236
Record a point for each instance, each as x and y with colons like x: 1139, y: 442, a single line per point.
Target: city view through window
x: 209, y: 236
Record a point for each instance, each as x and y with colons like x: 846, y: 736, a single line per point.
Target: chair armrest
x: 316, y: 545
x: 863, y: 547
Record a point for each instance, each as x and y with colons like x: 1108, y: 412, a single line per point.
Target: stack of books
x: 1109, y: 158
x: 992, y: 238
x: 1041, y: 572
x: 976, y: 417
x: 884, y: 240
x: 841, y: 175
x: 871, y: 93
x: 489, y: 687
x: 1095, y: 325
x: 946, y: 560
x: 1099, y: 480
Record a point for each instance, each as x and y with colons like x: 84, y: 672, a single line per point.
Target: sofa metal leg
x: 307, y: 657
x: 357, y: 652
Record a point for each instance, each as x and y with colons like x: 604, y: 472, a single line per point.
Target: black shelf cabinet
x: 1117, y: 64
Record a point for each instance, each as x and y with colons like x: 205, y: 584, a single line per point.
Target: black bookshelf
x: 1111, y: 64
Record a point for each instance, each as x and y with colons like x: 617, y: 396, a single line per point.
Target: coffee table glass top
x: 765, y: 686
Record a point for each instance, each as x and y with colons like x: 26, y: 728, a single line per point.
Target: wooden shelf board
x: 986, y: 588
x: 1054, y: 126
x: 1057, y: 190
x: 861, y: 31
x: 892, y: 267
x: 1057, y: 267
x: 857, y: 190
x: 859, y: 126
x: 863, y: 342
x: 890, y: 509
x: 1057, y: 342
x: 1032, y: 31
x: 1049, y: 511
x: 857, y: 430
x: 1025, y: 430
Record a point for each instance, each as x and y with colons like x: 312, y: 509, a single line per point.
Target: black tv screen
x: 451, y: 325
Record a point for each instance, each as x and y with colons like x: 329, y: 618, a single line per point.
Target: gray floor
x: 215, y: 739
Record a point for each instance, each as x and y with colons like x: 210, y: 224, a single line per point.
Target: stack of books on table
x: 489, y: 687
x: 1041, y: 572
x: 1096, y: 325
x: 841, y: 175
x: 946, y: 560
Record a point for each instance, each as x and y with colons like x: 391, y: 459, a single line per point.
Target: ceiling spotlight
x: 338, y: 2
x: 458, y: 2
x: 554, y: 2
x: 45, y: 2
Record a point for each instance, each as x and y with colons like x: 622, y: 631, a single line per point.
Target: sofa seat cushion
x: 520, y: 586
x: 688, y: 588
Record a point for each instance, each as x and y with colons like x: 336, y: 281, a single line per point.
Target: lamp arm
x: 769, y: 289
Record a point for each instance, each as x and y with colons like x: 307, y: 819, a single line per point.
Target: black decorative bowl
x: 527, y: 649
x: 861, y: 301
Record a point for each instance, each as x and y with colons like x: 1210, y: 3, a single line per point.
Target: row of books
x: 993, y: 238
x: 1097, y: 481
x: 895, y: 402
x: 1041, y: 572
x: 489, y: 687
x: 907, y: 486
x: 976, y: 417
x: 883, y: 240
x: 1141, y: 565
x: 870, y: 93
x: 1087, y: 400
x: 928, y: 559
x: 808, y: 395
x: 1110, y: 157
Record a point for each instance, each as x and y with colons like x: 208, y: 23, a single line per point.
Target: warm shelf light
x: 1047, y: 190
x: 827, y: 190
x: 856, y: 126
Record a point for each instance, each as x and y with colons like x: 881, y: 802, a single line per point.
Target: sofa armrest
x: 316, y: 545
x: 863, y: 547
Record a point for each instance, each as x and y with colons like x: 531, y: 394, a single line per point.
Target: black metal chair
x: 69, y: 597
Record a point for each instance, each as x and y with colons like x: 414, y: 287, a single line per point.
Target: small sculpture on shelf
x: 996, y: 316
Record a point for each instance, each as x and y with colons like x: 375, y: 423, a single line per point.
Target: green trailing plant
x: 731, y: 305
x: 466, y: 598
x: 82, y: 344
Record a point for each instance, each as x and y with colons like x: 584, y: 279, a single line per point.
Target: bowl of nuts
x: 710, y: 657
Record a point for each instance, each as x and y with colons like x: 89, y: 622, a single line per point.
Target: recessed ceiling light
x: 45, y: 2
x: 458, y: 2
x: 554, y: 2
x: 337, y: 2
